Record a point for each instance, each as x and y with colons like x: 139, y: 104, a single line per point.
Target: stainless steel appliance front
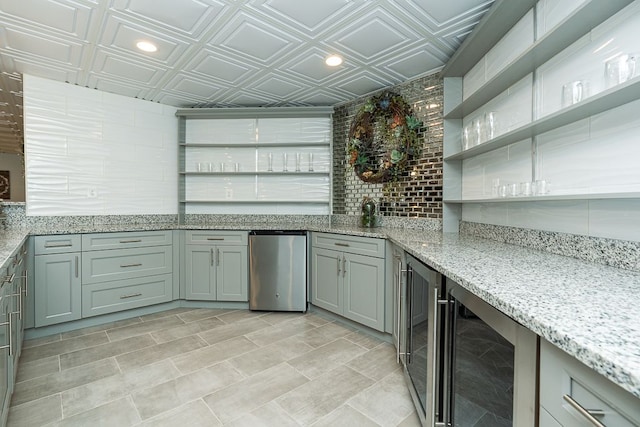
x: 278, y: 270
x: 466, y: 363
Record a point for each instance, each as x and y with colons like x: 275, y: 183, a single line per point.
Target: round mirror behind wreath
x: 382, y: 138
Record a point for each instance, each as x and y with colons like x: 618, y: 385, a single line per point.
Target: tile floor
x: 207, y: 367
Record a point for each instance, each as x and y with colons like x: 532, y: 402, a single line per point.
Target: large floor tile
x: 263, y: 358
x: 34, y: 342
x: 48, y: 385
x: 37, y: 368
x: 323, y: 395
x: 192, y: 414
x: 62, y: 346
x: 151, y: 325
x: 278, y: 332
x: 104, y: 351
x: 207, y: 356
x: 36, y: 413
x: 97, y: 393
x: 376, y: 363
x: 345, y: 415
x: 268, y: 415
x: 155, y: 353
x: 171, y: 394
x: 119, y: 413
x: 186, y: 329
x: 206, y: 367
x: 326, y: 358
x: 233, y: 330
x: 247, y: 395
x: 387, y: 402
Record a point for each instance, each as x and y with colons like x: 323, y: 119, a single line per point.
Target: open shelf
x: 550, y: 198
x: 261, y: 173
x: 596, y: 104
x: 576, y: 25
x: 257, y: 145
x: 232, y: 201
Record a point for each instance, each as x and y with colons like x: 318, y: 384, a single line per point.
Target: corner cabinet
x: 348, y: 276
x: 527, y: 94
x: 255, y: 160
x: 216, y: 265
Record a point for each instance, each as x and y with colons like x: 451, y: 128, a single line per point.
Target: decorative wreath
x: 382, y: 138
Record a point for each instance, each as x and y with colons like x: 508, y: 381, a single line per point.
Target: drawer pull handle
x: 215, y: 238
x: 131, y: 241
x: 130, y: 265
x: 589, y: 414
x: 131, y: 296
x: 346, y: 245
x: 64, y: 245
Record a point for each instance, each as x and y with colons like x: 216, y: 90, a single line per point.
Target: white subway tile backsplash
x: 563, y: 217
x: 550, y: 13
x: 474, y: 79
x: 615, y: 219
x: 94, y: 153
x: 515, y: 42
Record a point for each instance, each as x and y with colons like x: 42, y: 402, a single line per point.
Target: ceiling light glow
x: 146, y: 46
x: 333, y: 60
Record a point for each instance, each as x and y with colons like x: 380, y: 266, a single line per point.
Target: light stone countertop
x: 589, y: 310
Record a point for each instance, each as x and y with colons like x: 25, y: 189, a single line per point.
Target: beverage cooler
x: 464, y: 361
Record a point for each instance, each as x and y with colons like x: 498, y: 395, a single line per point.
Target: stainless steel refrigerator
x: 278, y: 270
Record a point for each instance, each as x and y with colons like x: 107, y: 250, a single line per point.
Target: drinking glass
x: 574, y: 92
x: 490, y: 125
x: 310, y: 162
x: 298, y: 156
x: 270, y: 162
x: 285, y: 159
x: 620, y: 69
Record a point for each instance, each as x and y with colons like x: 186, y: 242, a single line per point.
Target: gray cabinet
x: 348, y: 276
x: 5, y: 356
x: 216, y: 265
x: 571, y: 393
x: 57, y: 285
x: 121, y: 271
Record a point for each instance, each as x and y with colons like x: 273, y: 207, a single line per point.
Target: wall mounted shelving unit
x: 246, y: 137
x: 494, y: 26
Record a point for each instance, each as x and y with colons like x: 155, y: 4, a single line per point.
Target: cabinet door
x: 57, y: 288
x: 326, y: 279
x: 231, y: 273
x: 200, y: 279
x: 364, y: 290
x: 5, y: 393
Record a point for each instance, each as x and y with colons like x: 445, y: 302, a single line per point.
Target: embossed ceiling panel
x: 233, y: 52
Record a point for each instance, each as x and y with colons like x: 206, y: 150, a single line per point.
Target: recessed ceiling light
x: 333, y: 60
x: 147, y: 46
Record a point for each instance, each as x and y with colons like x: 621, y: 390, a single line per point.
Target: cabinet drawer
x: 109, y: 297
x: 99, y: 241
x: 561, y: 374
x: 353, y: 244
x: 214, y: 237
x: 104, y: 266
x: 57, y: 244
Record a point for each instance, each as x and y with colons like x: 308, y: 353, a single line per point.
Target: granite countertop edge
x: 568, y: 302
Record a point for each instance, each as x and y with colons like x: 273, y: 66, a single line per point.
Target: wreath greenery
x: 382, y: 138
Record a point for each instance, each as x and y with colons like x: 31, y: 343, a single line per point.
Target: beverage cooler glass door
x: 420, y: 343
x: 493, y: 360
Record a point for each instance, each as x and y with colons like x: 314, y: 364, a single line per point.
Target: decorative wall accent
x: 419, y: 193
x: 382, y: 138
x: 5, y: 185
